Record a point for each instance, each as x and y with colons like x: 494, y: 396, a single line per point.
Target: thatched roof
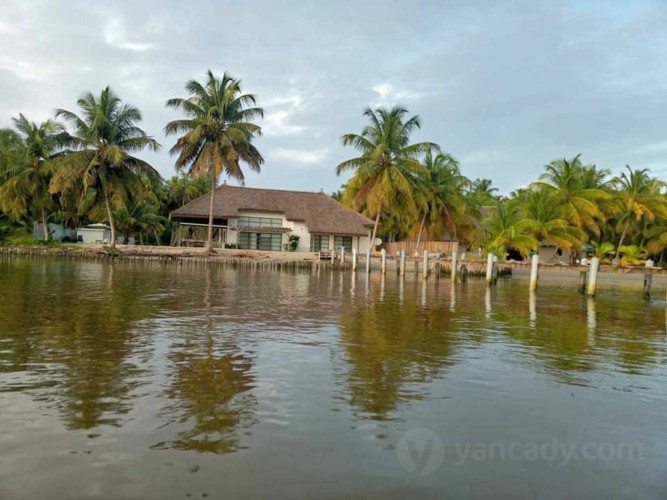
x: 319, y: 211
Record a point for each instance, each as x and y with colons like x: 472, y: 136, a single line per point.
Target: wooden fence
x: 433, y: 247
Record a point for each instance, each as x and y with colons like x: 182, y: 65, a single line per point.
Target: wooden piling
x: 355, y: 260
x: 648, y: 282
x: 342, y: 257
x: 489, y: 269
x: 593, y: 277
x: 368, y: 261
x: 534, y: 267
x: 402, y: 262
x: 582, y: 281
x: 425, y: 270
x: 454, y: 266
x: 383, y: 257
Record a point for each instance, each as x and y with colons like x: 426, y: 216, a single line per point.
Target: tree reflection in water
x: 211, y: 383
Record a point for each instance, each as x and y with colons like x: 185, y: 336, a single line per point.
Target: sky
x: 503, y: 86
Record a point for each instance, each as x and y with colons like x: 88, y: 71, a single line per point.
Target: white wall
x: 93, y: 235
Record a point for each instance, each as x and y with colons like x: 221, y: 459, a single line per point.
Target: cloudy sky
x: 504, y: 86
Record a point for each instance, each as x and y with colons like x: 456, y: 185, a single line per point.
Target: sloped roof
x: 320, y: 212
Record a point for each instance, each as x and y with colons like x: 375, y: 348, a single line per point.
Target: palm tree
x: 217, y: 133
x: 569, y: 181
x: 27, y: 184
x: 506, y: 228
x: 639, y: 198
x: 388, y: 169
x: 99, y: 167
x: 544, y: 221
x: 441, y: 194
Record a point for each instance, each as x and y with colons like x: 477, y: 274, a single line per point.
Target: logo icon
x: 420, y: 451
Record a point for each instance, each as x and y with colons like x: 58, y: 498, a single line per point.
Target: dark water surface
x: 139, y: 381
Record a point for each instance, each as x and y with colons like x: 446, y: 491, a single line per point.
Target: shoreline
x: 307, y: 261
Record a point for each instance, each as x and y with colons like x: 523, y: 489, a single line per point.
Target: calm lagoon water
x: 148, y: 381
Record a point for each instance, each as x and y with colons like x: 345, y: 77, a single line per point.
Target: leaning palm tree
x: 217, y: 132
x: 99, y: 168
x: 26, y: 187
x: 639, y: 196
x: 387, y: 171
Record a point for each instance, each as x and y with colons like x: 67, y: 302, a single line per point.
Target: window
x: 318, y: 243
x: 260, y: 241
x: 342, y: 241
x: 245, y: 221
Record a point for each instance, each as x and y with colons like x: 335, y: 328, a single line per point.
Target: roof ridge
x: 272, y: 189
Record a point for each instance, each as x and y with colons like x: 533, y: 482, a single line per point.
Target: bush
x: 232, y: 246
x: 293, y: 242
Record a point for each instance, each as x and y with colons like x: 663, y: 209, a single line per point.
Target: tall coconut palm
x: 387, y: 171
x: 569, y: 182
x: 27, y: 180
x: 639, y: 198
x: 99, y: 167
x: 217, y: 132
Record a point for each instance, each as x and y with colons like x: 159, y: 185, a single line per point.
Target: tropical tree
x: 506, y: 228
x: 387, y: 171
x: 99, y: 167
x: 570, y: 183
x: 441, y: 195
x: 136, y: 218
x: 543, y: 219
x: 217, y: 132
x: 639, y: 196
x: 27, y: 178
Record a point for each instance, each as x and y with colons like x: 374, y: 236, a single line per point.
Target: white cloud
x: 388, y: 95
x: 299, y: 155
x: 277, y: 123
x: 115, y: 35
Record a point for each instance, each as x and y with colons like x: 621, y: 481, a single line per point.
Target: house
x: 94, y: 233
x: 265, y: 219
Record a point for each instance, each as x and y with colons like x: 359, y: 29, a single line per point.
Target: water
x: 138, y: 381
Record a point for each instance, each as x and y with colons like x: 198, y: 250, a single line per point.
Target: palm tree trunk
x: 209, y: 243
x: 375, y: 226
x: 112, y: 243
x: 419, y: 236
x: 620, y: 242
x: 45, y: 225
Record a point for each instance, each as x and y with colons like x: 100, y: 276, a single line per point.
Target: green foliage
x: 216, y: 133
x: 98, y: 172
x: 293, y: 242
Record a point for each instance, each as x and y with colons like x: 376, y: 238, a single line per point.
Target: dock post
x: 425, y: 270
x: 593, y: 277
x: 648, y: 281
x: 383, y: 257
x: 333, y: 258
x: 402, y: 262
x: 354, y: 259
x: 582, y: 281
x: 368, y: 261
x: 342, y: 256
x: 489, y: 269
x: 454, y: 265
x: 534, y: 267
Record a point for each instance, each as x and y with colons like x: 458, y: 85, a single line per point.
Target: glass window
x: 342, y: 241
x: 261, y: 241
x: 319, y: 242
x: 245, y: 221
